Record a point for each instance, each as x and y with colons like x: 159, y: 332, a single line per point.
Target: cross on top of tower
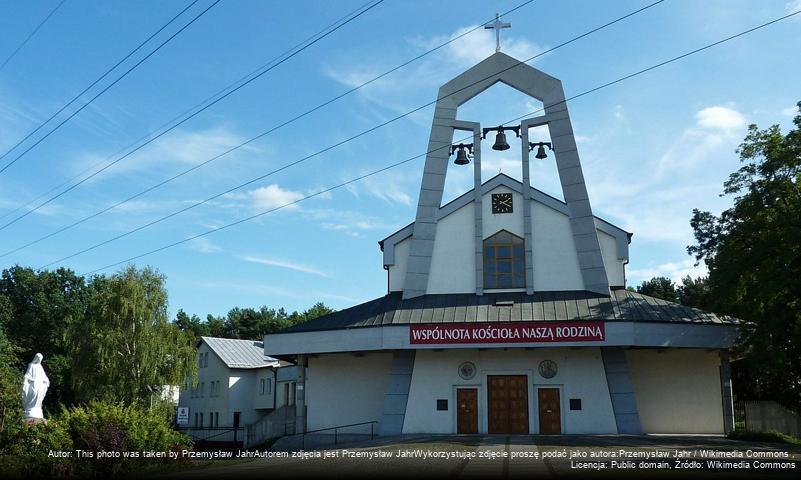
x: 497, y: 25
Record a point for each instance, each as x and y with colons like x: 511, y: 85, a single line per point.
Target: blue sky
x: 653, y: 148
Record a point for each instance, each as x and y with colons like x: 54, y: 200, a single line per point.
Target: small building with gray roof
x: 237, y: 385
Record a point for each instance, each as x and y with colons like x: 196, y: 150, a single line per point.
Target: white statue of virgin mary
x: 34, y: 388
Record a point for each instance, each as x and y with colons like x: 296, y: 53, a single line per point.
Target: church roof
x: 622, y: 306
x: 240, y: 353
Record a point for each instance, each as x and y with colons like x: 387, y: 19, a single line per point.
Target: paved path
x: 492, y: 456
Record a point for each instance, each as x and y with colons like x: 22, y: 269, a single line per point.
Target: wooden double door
x: 507, y: 403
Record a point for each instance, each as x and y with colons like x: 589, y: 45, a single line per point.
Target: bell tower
x: 500, y: 67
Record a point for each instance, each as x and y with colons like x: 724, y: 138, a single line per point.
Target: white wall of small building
x: 677, y: 390
x: 556, y: 267
x: 580, y: 375
x: 238, y: 392
x: 203, y: 401
x: 344, y: 389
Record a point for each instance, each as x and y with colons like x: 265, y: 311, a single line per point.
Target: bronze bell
x: 500, y: 141
x: 541, y: 152
x: 461, y: 157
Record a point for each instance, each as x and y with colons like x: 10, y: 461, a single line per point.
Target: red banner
x: 511, y: 332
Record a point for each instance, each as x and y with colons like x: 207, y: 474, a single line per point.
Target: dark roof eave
x: 622, y: 306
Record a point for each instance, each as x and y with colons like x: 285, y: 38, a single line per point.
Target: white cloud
x: 790, y: 111
x: 673, y: 270
x: 478, y: 45
x: 397, y: 94
x: 284, y: 264
x: 203, y: 245
x: 269, y: 197
x: 385, y: 187
x: 179, y: 147
x: 793, y: 6
x: 720, y: 118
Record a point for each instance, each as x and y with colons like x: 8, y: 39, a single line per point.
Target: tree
x: 127, y: 344
x: 753, y: 253
x: 694, y: 292
x: 40, y: 309
x: 191, y: 324
x: 10, y: 380
x: 659, y: 287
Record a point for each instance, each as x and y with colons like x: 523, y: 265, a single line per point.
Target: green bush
x: 116, y: 427
x: 99, y: 426
x: 26, y: 450
x: 771, y: 436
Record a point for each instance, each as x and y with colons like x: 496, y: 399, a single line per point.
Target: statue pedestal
x: 34, y: 421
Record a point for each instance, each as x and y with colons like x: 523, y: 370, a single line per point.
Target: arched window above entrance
x: 504, y: 261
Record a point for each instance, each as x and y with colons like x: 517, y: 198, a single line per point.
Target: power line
x: 30, y: 35
x: 369, y: 6
x: 261, y: 135
x: 175, y: 118
x: 104, y: 90
x: 101, y: 77
x: 286, y: 166
x: 396, y: 164
x: 335, y: 145
x: 169, y: 122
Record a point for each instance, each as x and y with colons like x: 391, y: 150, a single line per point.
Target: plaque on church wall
x: 512, y: 332
x: 467, y: 370
x: 548, y: 368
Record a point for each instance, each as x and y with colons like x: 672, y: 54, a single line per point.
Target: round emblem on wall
x: 548, y: 368
x: 467, y: 370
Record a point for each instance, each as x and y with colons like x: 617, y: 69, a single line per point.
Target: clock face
x: 501, y: 203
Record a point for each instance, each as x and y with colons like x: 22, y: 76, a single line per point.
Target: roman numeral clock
x: 502, y: 203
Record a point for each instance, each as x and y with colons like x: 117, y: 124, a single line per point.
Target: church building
x: 506, y: 309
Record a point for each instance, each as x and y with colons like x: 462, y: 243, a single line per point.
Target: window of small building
x: 504, y: 261
x: 262, y: 386
x: 269, y: 385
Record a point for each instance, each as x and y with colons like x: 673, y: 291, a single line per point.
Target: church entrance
x: 550, y: 412
x: 466, y: 410
x: 507, y: 402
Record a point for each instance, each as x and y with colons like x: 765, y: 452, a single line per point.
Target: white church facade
x: 506, y: 309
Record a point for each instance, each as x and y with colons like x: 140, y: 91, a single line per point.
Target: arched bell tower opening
x: 560, y: 147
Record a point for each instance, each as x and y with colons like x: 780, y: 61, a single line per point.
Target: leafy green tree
x: 753, y: 253
x: 10, y: 382
x: 659, y: 287
x: 191, y: 324
x: 40, y: 309
x: 215, y: 326
x: 694, y: 292
x: 126, y: 344
x: 317, y: 310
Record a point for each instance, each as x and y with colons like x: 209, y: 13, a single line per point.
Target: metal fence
x: 214, y: 434
x: 759, y: 416
x: 328, y: 437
